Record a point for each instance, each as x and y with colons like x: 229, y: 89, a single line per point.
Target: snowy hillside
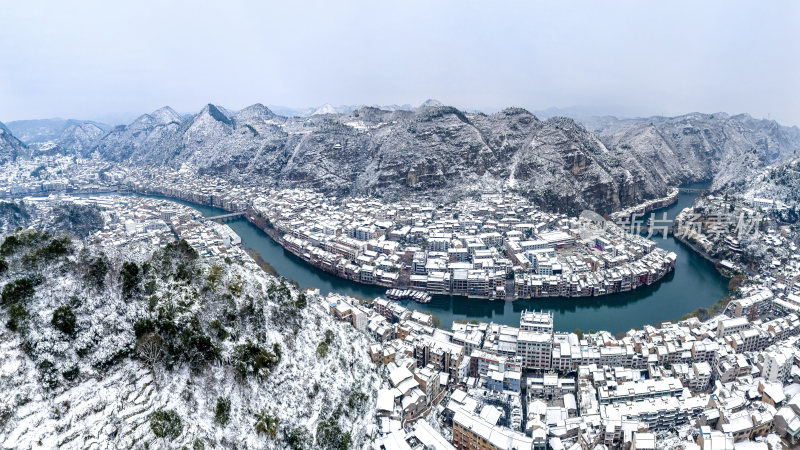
x: 120, y: 349
x: 693, y: 147
x: 779, y: 182
x: 10, y: 146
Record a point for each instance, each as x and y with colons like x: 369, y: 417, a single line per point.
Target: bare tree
x: 150, y: 349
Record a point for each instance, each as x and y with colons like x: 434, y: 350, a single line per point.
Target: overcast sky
x: 104, y: 59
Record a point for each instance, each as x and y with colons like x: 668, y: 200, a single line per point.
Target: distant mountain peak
x: 515, y: 110
x: 216, y: 113
x: 431, y: 103
x: 393, y: 107
x: 566, y: 123
x: 327, y: 108
x: 166, y: 115
x: 253, y: 112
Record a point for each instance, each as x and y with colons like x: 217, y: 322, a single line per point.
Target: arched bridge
x: 225, y: 217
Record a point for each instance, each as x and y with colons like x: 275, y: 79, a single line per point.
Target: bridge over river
x: 226, y: 217
x: 692, y: 190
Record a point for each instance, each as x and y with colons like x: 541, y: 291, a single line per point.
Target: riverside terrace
x: 498, y: 247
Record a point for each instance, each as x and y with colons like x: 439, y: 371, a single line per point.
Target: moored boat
x: 408, y: 294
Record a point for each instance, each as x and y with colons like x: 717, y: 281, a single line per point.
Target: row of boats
x: 408, y: 294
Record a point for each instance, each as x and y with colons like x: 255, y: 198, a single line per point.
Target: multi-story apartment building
x: 473, y: 432
x: 536, y: 321
x: 657, y: 413
x: 634, y: 391
x: 535, y: 349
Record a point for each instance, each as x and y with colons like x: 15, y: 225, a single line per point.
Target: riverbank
x: 650, y: 205
x: 703, y: 254
x: 262, y: 224
x: 608, y: 274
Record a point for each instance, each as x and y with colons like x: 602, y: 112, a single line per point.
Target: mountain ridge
x: 559, y: 163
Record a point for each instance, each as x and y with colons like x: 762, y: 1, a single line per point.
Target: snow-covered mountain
x: 41, y: 131
x: 288, y: 111
x: 166, y: 115
x: 386, y: 152
x: 431, y: 103
x: 147, y: 131
x: 717, y: 147
x: 53, y: 136
x: 439, y: 150
x: 324, y: 109
x: 341, y: 109
x: 79, y: 138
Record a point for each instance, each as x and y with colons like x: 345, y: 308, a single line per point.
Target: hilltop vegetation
x: 12, y: 215
x: 185, y: 351
x: 81, y: 220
